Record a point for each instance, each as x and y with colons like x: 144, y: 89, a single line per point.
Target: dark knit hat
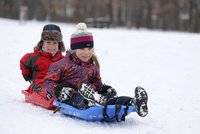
x: 81, y: 38
x: 51, y: 32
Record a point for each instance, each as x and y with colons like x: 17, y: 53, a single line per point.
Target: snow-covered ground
x: 166, y: 64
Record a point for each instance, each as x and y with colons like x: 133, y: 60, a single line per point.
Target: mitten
x: 63, y: 93
x: 90, y: 94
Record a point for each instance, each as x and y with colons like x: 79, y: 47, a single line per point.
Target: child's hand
x: 90, y: 94
x: 63, y: 93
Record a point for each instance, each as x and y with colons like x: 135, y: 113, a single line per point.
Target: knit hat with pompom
x: 81, y: 38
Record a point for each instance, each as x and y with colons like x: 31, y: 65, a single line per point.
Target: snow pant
x: 79, y: 102
x: 113, y: 100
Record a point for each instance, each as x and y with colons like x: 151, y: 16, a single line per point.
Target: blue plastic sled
x: 109, y: 113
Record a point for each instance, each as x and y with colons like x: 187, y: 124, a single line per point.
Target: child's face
x: 50, y: 46
x: 84, y: 54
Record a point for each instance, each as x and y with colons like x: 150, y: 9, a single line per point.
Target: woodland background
x: 178, y: 15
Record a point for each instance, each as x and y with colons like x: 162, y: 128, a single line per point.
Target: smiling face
x: 50, y: 46
x: 84, y: 54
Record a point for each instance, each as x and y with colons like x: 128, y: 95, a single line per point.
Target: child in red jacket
x: 34, y: 66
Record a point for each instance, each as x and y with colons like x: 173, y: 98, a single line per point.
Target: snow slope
x: 166, y: 64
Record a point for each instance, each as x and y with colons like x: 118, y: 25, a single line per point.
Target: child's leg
x: 122, y: 100
x: 140, y: 101
x: 77, y: 101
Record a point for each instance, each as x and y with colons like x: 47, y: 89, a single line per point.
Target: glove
x: 91, y: 95
x: 106, y: 89
x: 63, y: 93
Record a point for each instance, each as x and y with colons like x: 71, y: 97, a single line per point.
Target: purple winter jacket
x: 71, y: 72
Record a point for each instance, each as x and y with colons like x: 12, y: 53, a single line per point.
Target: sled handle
x: 56, y: 110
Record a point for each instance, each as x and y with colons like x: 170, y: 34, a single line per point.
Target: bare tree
x: 194, y: 16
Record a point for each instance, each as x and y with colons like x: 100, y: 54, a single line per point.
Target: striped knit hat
x: 81, y: 38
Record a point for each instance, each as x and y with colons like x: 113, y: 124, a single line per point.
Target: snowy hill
x: 166, y: 64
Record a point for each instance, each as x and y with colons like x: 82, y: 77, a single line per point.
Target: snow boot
x: 141, y: 99
x: 89, y: 94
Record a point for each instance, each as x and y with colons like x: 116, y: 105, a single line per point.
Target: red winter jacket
x: 71, y: 72
x: 34, y: 66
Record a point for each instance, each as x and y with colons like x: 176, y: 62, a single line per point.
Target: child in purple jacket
x: 76, y: 80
